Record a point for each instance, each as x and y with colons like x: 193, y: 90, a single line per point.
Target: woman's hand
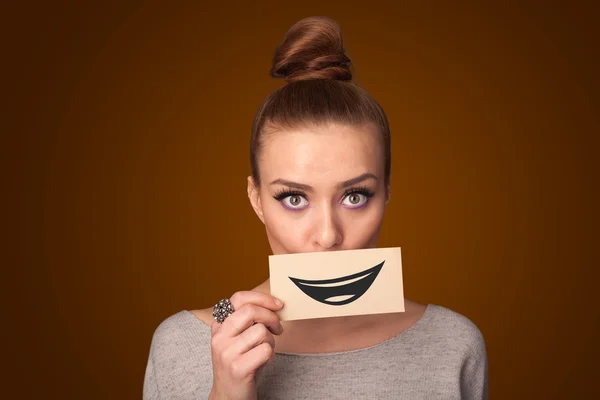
x: 242, y: 344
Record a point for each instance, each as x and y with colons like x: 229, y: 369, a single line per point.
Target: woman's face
x: 321, y: 189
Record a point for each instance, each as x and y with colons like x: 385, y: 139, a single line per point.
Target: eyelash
x: 283, y: 193
x: 360, y: 190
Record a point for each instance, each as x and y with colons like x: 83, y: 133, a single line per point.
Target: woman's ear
x: 388, y: 191
x: 254, y: 197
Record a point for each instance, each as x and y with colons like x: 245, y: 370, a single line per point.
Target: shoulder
x: 181, y: 327
x: 180, y: 362
x: 204, y: 315
x: 464, y: 343
x: 455, y: 331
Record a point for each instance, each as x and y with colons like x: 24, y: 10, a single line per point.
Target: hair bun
x: 312, y: 49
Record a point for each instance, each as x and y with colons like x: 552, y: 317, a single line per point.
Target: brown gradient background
x: 126, y: 156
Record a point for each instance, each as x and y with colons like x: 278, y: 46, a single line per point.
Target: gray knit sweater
x: 442, y: 356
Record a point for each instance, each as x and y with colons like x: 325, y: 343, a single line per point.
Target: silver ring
x: 222, y: 310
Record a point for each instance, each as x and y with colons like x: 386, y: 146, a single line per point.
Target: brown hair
x: 319, y: 89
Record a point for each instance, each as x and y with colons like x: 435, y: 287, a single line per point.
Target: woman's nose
x: 327, y: 230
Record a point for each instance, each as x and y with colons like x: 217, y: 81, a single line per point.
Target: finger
x: 247, y: 340
x: 238, y: 299
x: 248, y: 363
x: 246, y: 316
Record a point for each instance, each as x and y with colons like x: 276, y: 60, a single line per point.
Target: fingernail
x: 278, y: 302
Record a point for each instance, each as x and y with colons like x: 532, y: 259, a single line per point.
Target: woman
x: 320, y: 158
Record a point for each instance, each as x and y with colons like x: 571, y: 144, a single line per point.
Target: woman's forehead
x: 332, y: 153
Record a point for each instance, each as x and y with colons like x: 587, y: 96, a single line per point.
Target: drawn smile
x: 339, y: 291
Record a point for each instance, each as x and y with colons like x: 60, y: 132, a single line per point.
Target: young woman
x: 320, y: 158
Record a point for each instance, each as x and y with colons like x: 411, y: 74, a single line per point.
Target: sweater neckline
x: 410, y: 330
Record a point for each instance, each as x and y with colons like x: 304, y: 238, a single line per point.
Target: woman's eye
x: 355, y: 200
x: 295, y: 201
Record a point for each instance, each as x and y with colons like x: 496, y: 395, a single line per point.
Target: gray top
x: 442, y: 356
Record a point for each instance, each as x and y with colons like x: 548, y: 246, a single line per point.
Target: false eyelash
x: 283, y: 193
x: 360, y: 190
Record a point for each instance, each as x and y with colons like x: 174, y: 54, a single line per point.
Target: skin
x: 323, y: 164
x: 323, y: 158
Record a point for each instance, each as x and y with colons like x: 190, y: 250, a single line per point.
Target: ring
x: 222, y: 310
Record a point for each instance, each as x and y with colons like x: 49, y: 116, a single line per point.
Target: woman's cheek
x: 284, y: 230
x: 365, y: 231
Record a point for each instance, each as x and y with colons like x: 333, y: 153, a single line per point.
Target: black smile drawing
x: 360, y: 284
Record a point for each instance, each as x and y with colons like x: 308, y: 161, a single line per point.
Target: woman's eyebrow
x: 344, y: 184
x: 291, y: 184
x: 356, y: 180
